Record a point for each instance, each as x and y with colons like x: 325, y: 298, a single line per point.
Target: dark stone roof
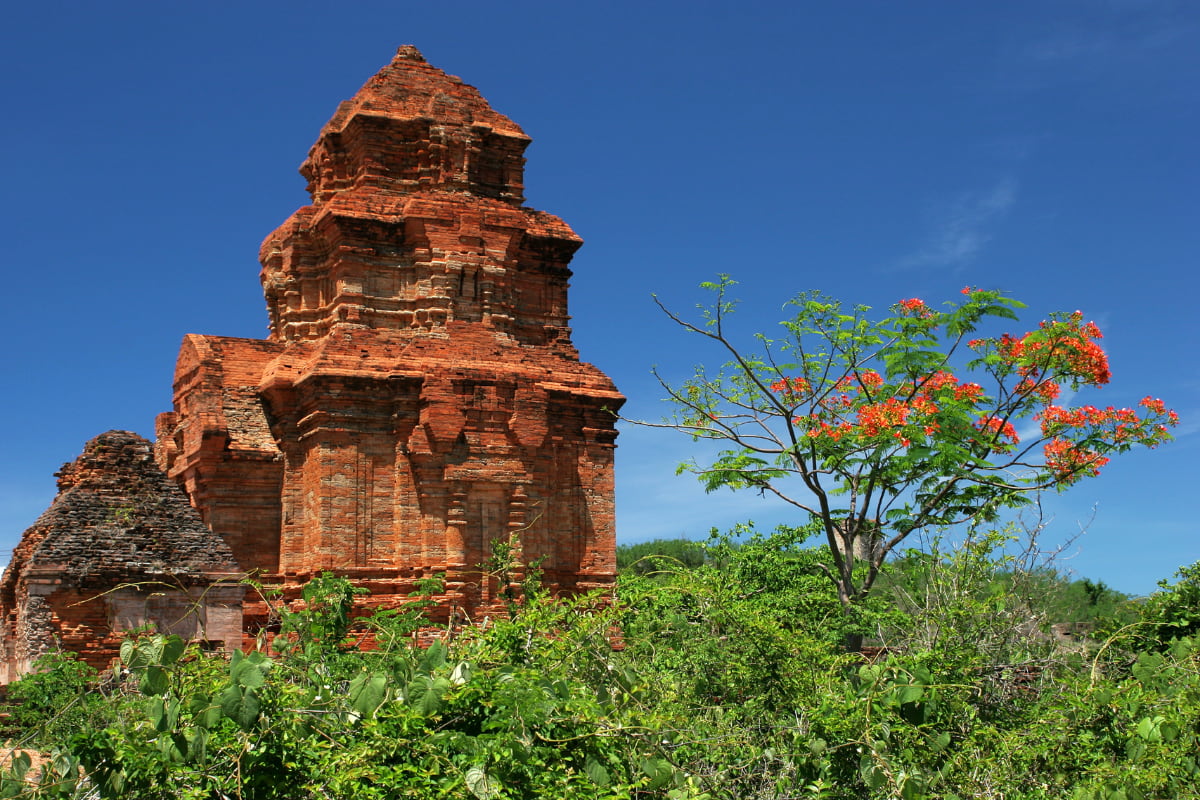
x: 118, y: 517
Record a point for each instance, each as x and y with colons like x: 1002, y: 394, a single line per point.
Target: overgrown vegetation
x: 727, y: 670
x: 720, y: 679
x: 653, y: 556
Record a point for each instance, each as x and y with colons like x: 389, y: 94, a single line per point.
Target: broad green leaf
x: 658, y: 770
x: 154, y: 680
x: 367, y: 692
x: 210, y: 716
x: 1148, y: 729
x: 241, y: 706
x: 21, y: 761
x: 425, y: 693
x: 156, y: 711
x: 168, y: 745
x: 136, y: 656
x: 482, y: 785
x: 433, y: 657
x: 872, y: 775
x: 172, y: 649
x: 461, y: 673
x: 198, y: 746
x: 248, y: 674
x: 596, y: 771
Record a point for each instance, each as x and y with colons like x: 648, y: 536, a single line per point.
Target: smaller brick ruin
x: 119, y: 548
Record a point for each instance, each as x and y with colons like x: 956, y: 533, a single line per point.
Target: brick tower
x: 418, y: 396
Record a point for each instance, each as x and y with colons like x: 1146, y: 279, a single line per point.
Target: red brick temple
x: 418, y: 396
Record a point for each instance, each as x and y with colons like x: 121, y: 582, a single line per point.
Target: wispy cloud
x: 1189, y: 423
x: 963, y: 226
x: 1112, y: 46
x: 1069, y: 46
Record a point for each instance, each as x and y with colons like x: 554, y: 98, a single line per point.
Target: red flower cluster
x: 862, y: 407
x: 876, y: 417
x: 1160, y: 408
x: 1069, y: 462
x: 904, y: 412
x: 915, y: 307
x: 996, y: 431
x: 1064, y: 346
x: 1124, y: 424
x: 790, y: 388
x: 1120, y: 427
x: 971, y: 392
x: 820, y: 428
x: 1047, y: 390
x: 870, y: 378
x: 1055, y: 418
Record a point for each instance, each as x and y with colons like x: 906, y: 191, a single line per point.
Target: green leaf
x: 246, y: 673
x: 596, y: 771
x: 21, y: 761
x: 198, y: 746
x: 136, y: 656
x: 461, y: 673
x: 367, y: 693
x: 169, y: 747
x: 154, y: 680
x: 240, y: 706
x: 658, y: 770
x: 482, y: 785
x: 1149, y: 729
x: 425, y: 693
x: 433, y: 657
x: 173, y: 648
x: 940, y: 742
x: 872, y: 775
x: 156, y: 711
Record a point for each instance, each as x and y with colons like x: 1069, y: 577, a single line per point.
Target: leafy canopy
x: 877, y: 428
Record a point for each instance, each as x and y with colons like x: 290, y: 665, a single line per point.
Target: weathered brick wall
x: 419, y: 396
x: 119, y: 547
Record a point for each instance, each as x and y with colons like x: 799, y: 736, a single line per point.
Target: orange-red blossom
x: 1064, y: 346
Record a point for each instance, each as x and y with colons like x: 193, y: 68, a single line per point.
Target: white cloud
x: 963, y: 226
x: 1114, y: 47
x: 1069, y: 46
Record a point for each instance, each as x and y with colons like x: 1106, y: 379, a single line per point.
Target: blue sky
x: 873, y: 150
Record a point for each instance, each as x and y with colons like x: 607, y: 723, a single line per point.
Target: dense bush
x: 645, y: 557
x: 725, y: 679
x: 54, y: 700
x: 1164, y: 617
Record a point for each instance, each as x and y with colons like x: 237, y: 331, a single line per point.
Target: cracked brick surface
x: 119, y: 547
x: 418, y: 396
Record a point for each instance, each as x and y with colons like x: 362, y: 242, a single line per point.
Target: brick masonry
x: 118, y: 548
x: 418, y: 398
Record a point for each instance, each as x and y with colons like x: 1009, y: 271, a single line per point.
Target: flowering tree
x: 880, y: 429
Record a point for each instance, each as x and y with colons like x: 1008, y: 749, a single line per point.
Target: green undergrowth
x: 721, y: 678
